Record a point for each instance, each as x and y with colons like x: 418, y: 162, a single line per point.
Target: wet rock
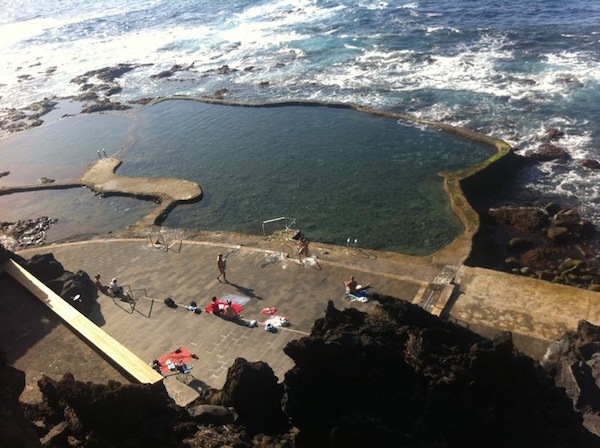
x: 592, y: 164
x: 103, y: 105
x: 168, y: 73
x: 548, y: 152
x: 263, y: 84
x: 519, y: 244
x: 553, y: 134
x: 4, y: 173
x: 594, y: 287
x: 558, y: 233
x: 523, y: 218
x: 106, y: 74
x: 552, y: 208
x: 220, y: 93
x: 570, y: 265
x: 45, y: 180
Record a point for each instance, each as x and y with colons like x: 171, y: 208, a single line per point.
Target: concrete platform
x: 298, y: 291
x: 486, y: 301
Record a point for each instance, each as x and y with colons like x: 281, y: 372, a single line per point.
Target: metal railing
x: 287, y: 222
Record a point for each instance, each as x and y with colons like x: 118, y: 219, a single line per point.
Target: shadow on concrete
x: 248, y: 292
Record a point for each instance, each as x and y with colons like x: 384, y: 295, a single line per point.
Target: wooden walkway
x: 120, y: 356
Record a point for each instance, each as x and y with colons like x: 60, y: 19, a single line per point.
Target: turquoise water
x: 77, y: 210
x: 342, y: 174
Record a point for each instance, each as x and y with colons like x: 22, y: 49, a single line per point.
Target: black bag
x: 197, y: 311
x: 193, y: 303
x: 170, y: 303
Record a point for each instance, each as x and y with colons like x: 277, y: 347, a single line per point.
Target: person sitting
x: 230, y: 312
x: 99, y: 284
x: 352, y: 287
x: 114, y: 288
x: 214, y: 307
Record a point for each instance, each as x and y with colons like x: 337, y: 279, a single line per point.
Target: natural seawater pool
x: 341, y: 173
x: 78, y: 211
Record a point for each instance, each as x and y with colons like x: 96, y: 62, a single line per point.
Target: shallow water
x: 341, y: 173
x: 60, y: 150
x: 78, y: 211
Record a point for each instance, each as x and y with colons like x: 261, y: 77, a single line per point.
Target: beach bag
x: 170, y: 302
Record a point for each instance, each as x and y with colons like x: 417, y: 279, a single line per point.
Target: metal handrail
x: 282, y: 218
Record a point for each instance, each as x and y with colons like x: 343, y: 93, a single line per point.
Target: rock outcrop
x: 401, y: 377
x: 574, y: 363
x: 549, y: 243
x: 15, y: 430
x: 66, y: 284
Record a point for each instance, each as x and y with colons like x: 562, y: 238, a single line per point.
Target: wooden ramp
x: 120, y: 356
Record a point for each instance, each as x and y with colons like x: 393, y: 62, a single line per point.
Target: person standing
x: 221, y: 266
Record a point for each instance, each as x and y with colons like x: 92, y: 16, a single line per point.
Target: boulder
x: 251, y: 388
x: 14, y: 429
x: 553, y: 134
x: 558, y: 233
x: 402, y: 377
x: 523, y: 218
x: 45, y: 267
x: 592, y: 164
x: 520, y: 244
x: 548, y: 152
x: 211, y: 414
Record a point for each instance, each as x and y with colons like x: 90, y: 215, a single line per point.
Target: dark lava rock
x: 64, y: 283
x: 116, y: 412
x: 252, y: 389
x: 211, y: 414
x: 15, y: 431
x: 106, y: 74
x: 4, y: 173
x: 553, y: 134
x: 574, y: 363
x: 401, y: 377
x: 104, y: 105
x: 220, y: 93
x: 168, y: 73
x: 592, y: 164
x: 523, y: 218
x: 548, y: 152
x: 45, y: 267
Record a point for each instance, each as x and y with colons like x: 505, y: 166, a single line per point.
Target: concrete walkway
x: 486, y: 301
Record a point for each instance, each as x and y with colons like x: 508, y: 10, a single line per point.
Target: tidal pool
x: 341, y: 173
x: 77, y: 210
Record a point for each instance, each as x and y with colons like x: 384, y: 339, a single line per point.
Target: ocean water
x: 507, y: 68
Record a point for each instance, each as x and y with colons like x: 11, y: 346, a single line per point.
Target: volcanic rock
x: 14, y: 429
x: 548, y: 152
x: 523, y: 218
x: 590, y: 163
x: 553, y: 134
x: 436, y: 379
x: 252, y: 389
x: 574, y: 363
